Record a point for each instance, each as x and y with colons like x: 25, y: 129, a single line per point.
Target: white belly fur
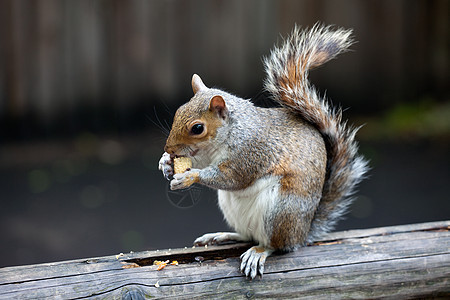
x: 246, y: 210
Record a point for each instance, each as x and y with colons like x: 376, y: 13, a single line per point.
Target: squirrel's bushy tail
x: 287, y: 80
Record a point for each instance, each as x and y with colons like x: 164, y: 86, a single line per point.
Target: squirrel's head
x: 196, y: 123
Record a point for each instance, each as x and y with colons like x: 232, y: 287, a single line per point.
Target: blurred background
x: 88, y: 90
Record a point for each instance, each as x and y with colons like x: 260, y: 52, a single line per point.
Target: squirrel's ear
x: 197, y: 84
x: 217, y: 104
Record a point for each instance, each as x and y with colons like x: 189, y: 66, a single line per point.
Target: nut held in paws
x: 181, y: 164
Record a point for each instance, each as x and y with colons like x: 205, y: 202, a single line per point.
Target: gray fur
x: 304, y: 47
x: 285, y: 175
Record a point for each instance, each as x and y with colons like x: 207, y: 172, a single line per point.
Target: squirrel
x: 284, y: 175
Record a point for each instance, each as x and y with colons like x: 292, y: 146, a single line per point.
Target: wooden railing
x: 408, y: 261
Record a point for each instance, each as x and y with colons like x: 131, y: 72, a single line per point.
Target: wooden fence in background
x: 56, y: 56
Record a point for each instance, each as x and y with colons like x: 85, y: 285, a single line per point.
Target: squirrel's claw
x: 166, y: 165
x: 218, y: 238
x: 252, y: 261
x: 184, y: 180
x: 208, y: 239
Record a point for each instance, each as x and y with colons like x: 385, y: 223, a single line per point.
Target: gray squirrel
x: 284, y: 175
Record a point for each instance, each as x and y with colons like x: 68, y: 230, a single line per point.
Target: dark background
x: 88, y: 87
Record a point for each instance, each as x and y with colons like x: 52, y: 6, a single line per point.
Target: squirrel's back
x: 287, y: 80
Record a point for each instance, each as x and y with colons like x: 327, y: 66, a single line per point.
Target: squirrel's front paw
x: 166, y: 165
x: 184, y: 180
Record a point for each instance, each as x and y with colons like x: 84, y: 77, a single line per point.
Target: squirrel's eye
x: 197, y: 129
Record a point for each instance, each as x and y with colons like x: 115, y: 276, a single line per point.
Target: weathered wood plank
x: 356, y: 233
x: 393, y: 262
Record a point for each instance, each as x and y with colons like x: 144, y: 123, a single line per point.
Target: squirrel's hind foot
x: 219, y: 238
x: 252, y: 261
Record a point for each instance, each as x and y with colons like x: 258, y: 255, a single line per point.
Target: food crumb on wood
x: 162, y: 264
x: 130, y: 266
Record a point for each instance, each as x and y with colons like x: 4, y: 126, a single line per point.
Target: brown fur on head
x: 196, y: 121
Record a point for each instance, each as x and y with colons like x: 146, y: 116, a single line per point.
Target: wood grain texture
x: 396, y: 262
